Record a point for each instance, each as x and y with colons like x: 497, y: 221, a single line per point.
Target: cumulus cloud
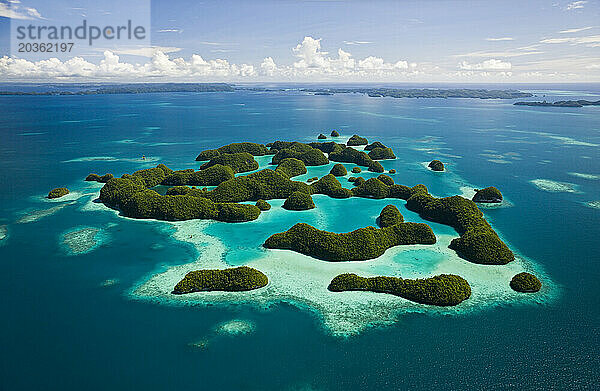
x: 487, y: 65
x: 160, y: 65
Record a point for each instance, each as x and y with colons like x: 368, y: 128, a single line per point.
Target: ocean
x: 84, y: 290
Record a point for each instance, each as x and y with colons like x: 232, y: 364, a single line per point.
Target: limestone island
x: 442, y: 290
x: 356, y: 140
x: 97, y: 178
x: 488, y: 195
x: 236, y: 279
x: 526, y: 283
x: 322, y: 136
x: 240, y: 196
x: 436, y: 165
x: 338, y: 170
x: 58, y: 192
x: 334, y: 133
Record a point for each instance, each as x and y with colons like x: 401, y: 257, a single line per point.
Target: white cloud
x: 357, y: 42
x: 518, y: 52
x: 160, y: 65
x: 15, y: 11
x: 569, y: 31
x: 487, y: 65
x: 589, y: 41
x: 500, y: 39
x: 146, y: 51
x: 575, y: 5
x: 169, y: 31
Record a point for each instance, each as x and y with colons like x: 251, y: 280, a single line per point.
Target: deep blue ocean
x: 65, y: 328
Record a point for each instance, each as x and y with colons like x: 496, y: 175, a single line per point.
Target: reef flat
x: 81, y: 240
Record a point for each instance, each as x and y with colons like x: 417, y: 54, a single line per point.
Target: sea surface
x: 75, y: 314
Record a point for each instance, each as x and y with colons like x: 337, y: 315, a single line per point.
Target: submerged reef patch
x: 82, y: 240
x: 554, y: 186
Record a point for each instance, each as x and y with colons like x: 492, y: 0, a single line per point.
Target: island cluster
x: 187, y: 197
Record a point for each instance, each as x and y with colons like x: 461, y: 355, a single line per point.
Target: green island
x: 134, y: 196
x: 253, y: 149
x: 97, y: 178
x: 441, y: 290
x: 263, y: 205
x: 211, y: 176
x: 358, y: 245
x: 356, y: 170
x: 561, y: 103
x: 338, y: 170
x: 299, y: 201
x: 356, y: 140
x: 58, y: 192
x: 390, y: 215
x: 291, y: 167
x: 238, y: 161
x: 236, y: 279
x: 487, y: 195
x: 321, y: 136
x: 525, y: 283
x: 436, y: 165
x: 334, y: 133
x: 381, y: 154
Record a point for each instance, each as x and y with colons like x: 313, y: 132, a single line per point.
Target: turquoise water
x: 66, y: 328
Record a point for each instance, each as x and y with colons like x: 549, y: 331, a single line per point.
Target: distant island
x: 561, y: 103
x: 410, y: 92
x: 144, y: 88
x: 131, y: 88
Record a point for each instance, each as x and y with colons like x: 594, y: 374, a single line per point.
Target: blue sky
x: 402, y: 41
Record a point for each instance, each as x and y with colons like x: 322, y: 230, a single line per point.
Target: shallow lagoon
x: 77, y: 323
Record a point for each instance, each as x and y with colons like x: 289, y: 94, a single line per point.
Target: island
x: 130, y: 88
x: 381, y: 154
x: 236, y: 279
x: 356, y: 170
x: 487, y: 195
x: 239, y: 162
x: 441, y: 290
x: 240, y: 196
x: 390, y: 215
x: 298, y: 201
x: 322, y: 136
x: 426, y: 92
x: 97, y: 178
x: 291, y: 167
x: 334, y: 133
x: 263, y: 205
x: 436, y: 165
x: 58, y: 192
x: 253, y: 149
x: 359, y: 245
x: 525, y: 283
x: 560, y: 103
x: 338, y: 170
x: 356, y: 140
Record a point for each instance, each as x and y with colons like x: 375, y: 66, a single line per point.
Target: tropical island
x: 236, y: 279
x: 440, y: 290
x: 560, y: 103
x: 240, y: 196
